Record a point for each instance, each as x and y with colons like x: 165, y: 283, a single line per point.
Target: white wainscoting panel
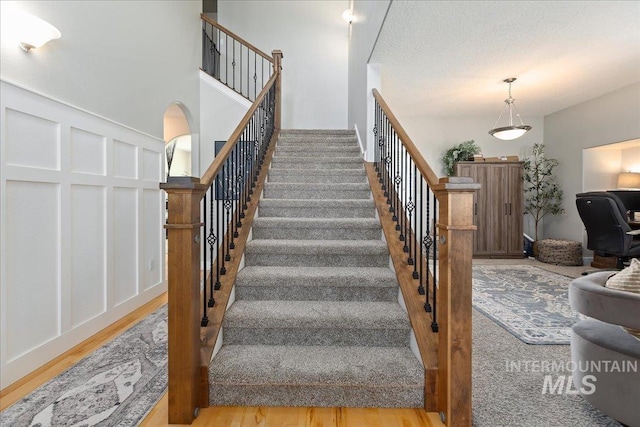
x: 126, y: 160
x: 32, y: 141
x: 152, y: 165
x: 81, y: 237
x: 153, y: 236
x: 125, y: 244
x: 88, y: 261
x: 88, y: 152
x: 32, y: 287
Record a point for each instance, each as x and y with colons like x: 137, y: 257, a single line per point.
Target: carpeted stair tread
x: 323, y: 132
x: 318, y: 314
x: 316, y: 319
x: 317, y: 208
x: 317, y: 247
x: 287, y: 223
x: 294, y: 190
x: 328, y: 365
x: 316, y: 228
x: 297, y: 162
x: 317, y: 175
x: 330, y: 376
x: 316, y: 284
x: 318, y: 150
x: 322, y: 139
x: 316, y: 253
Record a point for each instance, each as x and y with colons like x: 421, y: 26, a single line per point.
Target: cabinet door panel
x: 516, y: 217
x: 498, y: 209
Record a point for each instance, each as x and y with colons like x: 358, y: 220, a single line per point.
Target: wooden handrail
x: 226, y: 149
x: 236, y: 37
x: 421, y: 164
x: 188, y: 380
x: 448, y: 381
x: 218, y: 162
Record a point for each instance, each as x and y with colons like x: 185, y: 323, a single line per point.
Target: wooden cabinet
x: 497, y: 208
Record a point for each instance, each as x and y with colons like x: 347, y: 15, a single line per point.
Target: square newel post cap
x: 182, y: 183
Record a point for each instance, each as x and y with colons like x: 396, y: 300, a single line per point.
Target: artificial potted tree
x: 542, y: 193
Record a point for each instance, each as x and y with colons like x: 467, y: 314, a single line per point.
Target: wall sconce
x: 32, y: 32
x: 347, y: 15
x: 509, y: 132
x: 629, y: 180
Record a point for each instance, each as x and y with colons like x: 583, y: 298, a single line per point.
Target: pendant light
x: 509, y: 132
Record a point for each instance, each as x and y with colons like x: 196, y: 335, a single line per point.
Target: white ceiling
x: 449, y: 58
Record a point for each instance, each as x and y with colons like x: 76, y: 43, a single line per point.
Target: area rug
x: 531, y: 303
x: 116, y: 385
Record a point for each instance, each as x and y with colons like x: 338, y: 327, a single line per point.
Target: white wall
x: 610, y: 118
x: 221, y: 110
x: 313, y: 38
x: 433, y: 136
x: 80, y: 227
x: 368, y: 20
x: 81, y: 158
x: 123, y: 60
x: 630, y: 159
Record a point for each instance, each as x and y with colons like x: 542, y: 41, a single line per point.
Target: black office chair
x: 608, y: 231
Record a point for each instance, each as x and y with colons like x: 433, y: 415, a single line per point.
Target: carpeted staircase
x: 316, y: 319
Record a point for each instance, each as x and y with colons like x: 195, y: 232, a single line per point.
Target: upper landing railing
x: 208, y: 223
x: 428, y: 224
x: 234, y: 61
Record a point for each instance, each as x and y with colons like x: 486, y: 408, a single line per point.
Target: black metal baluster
x: 205, y: 318
x: 400, y: 194
x: 428, y: 242
x: 226, y: 59
x: 387, y: 159
x: 434, y: 323
x: 391, y: 161
x: 219, y: 228
x: 413, y: 243
x: 255, y: 75
x: 397, y: 179
x: 227, y: 207
x: 409, y: 206
x: 211, y: 239
x: 375, y: 138
x: 419, y: 238
x: 233, y: 64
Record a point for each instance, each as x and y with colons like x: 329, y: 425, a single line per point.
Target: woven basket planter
x: 559, y: 252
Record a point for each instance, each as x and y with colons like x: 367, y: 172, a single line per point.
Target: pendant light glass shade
x: 509, y: 132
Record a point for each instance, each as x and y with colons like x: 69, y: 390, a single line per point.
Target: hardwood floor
x: 242, y: 416
x: 223, y: 416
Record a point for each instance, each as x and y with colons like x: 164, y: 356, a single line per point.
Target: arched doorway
x: 180, y: 142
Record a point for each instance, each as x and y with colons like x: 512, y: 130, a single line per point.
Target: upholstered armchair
x: 599, y: 338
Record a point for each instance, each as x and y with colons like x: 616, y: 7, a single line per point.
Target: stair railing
x: 212, y: 214
x: 430, y: 235
x: 234, y: 61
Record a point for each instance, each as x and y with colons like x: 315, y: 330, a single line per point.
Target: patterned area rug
x: 531, y: 303
x: 117, y: 385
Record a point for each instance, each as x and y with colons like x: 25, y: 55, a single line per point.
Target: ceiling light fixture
x: 509, y: 132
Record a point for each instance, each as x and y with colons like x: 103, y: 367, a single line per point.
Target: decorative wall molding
x: 81, y: 238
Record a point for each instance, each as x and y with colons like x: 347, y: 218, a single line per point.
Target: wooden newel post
x: 455, y: 245
x: 183, y: 228
x: 277, y: 68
